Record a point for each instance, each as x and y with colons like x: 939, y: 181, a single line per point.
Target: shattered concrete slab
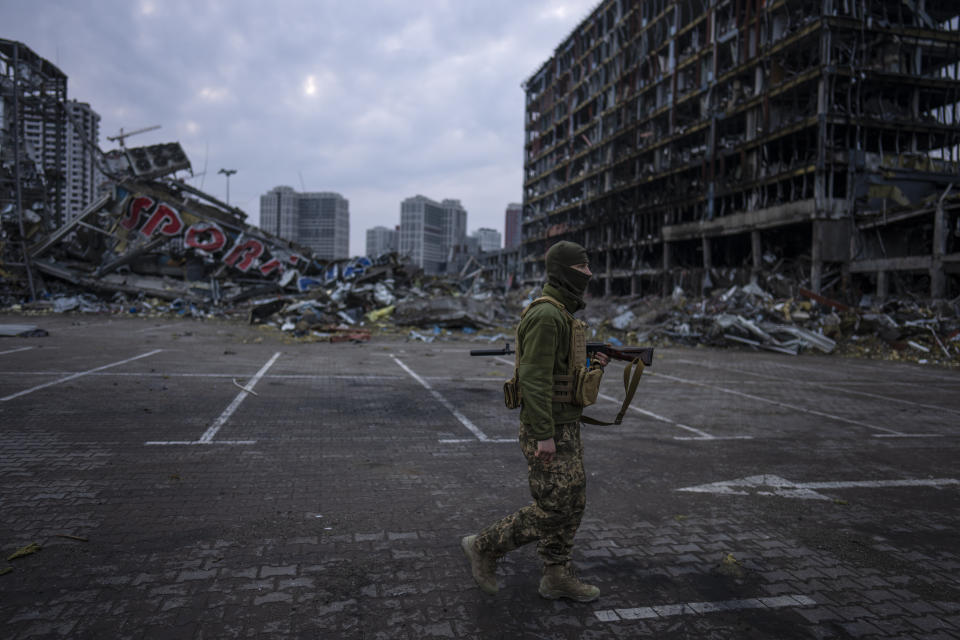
x: 21, y: 331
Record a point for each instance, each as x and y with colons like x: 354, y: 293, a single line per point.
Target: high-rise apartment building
x: 422, y: 233
x: 512, y: 225
x: 429, y: 230
x: 454, y: 223
x: 280, y: 212
x: 318, y: 220
x: 488, y: 239
x: 381, y: 240
x: 69, y: 157
x: 32, y: 94
x: 79, y: 162
x: 680, y: 141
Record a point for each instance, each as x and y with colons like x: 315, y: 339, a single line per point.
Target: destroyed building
x: 148, y: 234
x: 754, y: 216
x: 152, y: 243
x: 33, y: 134
x: 701, y: 143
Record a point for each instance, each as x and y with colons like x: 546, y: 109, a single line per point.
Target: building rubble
x: 750, y: 317
x: 154, y: 245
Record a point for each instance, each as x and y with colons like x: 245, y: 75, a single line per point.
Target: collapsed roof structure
x: 148, y: 233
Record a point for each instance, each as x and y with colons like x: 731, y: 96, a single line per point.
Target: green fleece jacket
x: 543, y: 344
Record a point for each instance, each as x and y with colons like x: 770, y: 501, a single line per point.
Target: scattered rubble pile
x: 748, y: 316
x: 154, y: 245
x: 384, y: 300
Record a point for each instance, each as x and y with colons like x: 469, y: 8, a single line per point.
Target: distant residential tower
x: 489, y: 239
x: 381, y: 240
x: 512, y: 224
x: 429, y: 229
x: 318, y: 220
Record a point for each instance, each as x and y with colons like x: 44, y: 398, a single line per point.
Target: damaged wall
x: 671, y: 136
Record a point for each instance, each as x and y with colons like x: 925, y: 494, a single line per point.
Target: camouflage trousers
x: 559, y: 491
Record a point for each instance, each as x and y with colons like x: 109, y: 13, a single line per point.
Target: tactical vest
x: 580, y: 385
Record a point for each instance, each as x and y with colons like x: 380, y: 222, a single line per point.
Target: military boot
x: 483, y: 565
x: 559, y: 582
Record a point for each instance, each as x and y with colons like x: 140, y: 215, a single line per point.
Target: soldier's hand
x: 601, y: 359
x: 546, y: 450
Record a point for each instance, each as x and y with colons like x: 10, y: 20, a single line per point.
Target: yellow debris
x: 33, y: 547
x: 379, y: 314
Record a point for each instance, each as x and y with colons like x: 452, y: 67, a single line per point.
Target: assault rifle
x: 627, y: 354
x: 637, y: 357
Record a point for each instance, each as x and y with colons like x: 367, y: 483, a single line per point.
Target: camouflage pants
x: 559, y: 491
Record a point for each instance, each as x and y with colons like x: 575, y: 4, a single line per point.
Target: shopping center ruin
x: 702, y: 143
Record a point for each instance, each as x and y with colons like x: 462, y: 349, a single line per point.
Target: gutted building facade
x: 702, y: 143
x: 33, y: 134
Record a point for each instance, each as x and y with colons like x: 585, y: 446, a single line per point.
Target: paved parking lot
x: 191, y: 479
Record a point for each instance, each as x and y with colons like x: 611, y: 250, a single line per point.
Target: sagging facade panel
x: 696, y: 141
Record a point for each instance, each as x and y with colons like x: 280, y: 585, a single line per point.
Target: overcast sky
x: 376, y: 100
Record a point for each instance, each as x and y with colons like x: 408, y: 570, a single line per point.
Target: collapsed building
x: 755, y: 221
x: 709, y: 143
x: 148, y: 233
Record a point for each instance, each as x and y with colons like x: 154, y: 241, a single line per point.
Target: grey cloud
x: 409, y: 98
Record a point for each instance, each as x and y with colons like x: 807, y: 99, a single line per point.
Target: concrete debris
x: 22, y: 331
x: 749, y: 316
x: 154, y: 245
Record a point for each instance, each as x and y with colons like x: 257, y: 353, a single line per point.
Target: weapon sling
x: 630, y: 382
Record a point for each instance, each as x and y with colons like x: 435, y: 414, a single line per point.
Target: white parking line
x: 946, y: 376
x: 853, y: 367
x: 158, y: 328
x: 222, y: 419
x: 78, y: 375
x: 207, y: 437
x: 888, y: 432
x: 14, y: 350
x: 772, y: 485
x: 488, y: 440
x: 193, y: 442
x: 817, y: 385
x: 452, y: 409
x: 161, y: 374
x: 700, y: 435
x: 699, y: 608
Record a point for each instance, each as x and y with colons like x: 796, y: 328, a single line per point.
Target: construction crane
x: 122, y: 136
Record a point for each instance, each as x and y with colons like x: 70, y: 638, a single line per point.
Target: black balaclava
x: 560, y: 259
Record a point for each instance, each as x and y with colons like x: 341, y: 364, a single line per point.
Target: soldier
x: 551, y: 343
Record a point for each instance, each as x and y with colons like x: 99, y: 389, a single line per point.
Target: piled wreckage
x: 154, y: 244
x: 750, y: 316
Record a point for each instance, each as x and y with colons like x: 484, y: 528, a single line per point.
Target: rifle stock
x: 627, y: 354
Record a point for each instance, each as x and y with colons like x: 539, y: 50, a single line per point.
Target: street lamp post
x: 228, y: 173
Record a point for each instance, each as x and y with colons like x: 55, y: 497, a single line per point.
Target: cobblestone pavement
x: 750, y: 495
